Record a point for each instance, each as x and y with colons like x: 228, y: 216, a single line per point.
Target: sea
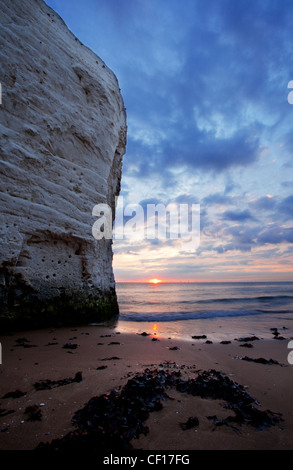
x: 220, y: 310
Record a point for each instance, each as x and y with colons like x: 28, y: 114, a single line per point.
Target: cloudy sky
x: 205, y: 86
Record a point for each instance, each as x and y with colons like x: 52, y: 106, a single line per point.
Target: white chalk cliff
x: 63, y: 136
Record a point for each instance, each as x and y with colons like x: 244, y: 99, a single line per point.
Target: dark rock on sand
x: 5, y: 412
x: 70, y: 346
x: 248, y: 338
x: 49, y: 384
x: 199, y: 337
x: 223, y: 421
x: 190, y: 423
x: 113, y: 358
x: 225, y: 342
x: 34, y: 413
x: 23, y: 342
x: 261, y: 360
x: 16, y: 394
x: 276, y: 333
x: 246, y: 345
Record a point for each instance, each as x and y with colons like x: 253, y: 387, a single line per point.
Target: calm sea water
x: 182, y: 307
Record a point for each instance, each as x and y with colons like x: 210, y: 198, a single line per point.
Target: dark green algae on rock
x: 25, y: 309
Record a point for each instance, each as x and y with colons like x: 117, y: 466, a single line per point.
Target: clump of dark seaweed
x: 246, y: 339
x: 216, y: 385
x: 190, y: 423
x: 261, y: 360
x: 49, y: 384
x: 23, y: 342
x: 70, y: 346
x: 111, y: 421
x: 16, y: 394
x: 33, y: 413
x: 276, y: 333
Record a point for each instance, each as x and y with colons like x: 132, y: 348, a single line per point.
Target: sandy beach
x: 97, y: 359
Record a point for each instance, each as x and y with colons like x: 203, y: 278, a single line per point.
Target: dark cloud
x: 186, y: 199
x: 286, y: 207
x: 276, y: 235
x: 145, y: 202
x: 287, y: 184
x: 238, y: 216
x: 229, y: 187
x: 210, y: 153
x: 232, y: 247
x: 244, y: 238
x: 196, y: 150
x: 217, y: 198
x: 263, y: 203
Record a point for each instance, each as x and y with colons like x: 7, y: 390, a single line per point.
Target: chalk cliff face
x: 63, y: 136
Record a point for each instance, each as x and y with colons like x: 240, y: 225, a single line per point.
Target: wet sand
x: 107, y: 359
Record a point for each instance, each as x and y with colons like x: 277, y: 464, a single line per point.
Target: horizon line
x: 196, y: 281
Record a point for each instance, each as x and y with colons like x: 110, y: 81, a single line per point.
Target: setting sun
x: 155, y: 281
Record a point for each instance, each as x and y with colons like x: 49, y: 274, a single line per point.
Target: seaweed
x: 110, y: 421
x: 49, y: 384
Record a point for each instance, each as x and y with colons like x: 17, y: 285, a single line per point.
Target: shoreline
x: 216, y: 329
x: 107, y: 358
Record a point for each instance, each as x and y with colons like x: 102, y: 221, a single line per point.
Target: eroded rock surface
x: 63, y: 136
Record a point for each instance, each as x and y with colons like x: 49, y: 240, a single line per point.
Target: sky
x: 205, y: 86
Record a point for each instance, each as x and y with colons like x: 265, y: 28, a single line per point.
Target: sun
x: 155, y: 281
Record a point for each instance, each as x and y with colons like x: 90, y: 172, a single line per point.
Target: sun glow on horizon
x: 155, y: 281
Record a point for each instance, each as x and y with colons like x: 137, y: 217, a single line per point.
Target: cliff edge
x: 63, y: 136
